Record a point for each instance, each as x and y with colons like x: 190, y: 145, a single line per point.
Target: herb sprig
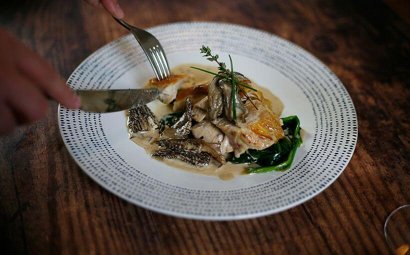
x: 214, y: 58
x: 223, y: 71
x: 227, y: 75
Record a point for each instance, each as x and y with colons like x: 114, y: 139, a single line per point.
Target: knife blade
x: 115, y: 100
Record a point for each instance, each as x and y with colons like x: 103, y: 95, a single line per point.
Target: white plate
x: 99, y: 142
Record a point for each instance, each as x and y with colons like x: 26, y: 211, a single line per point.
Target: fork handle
x: 123, y: 23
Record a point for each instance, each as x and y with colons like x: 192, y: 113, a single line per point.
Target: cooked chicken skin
x: 169, y: 87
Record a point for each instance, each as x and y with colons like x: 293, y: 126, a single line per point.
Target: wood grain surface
x: 49, y: 206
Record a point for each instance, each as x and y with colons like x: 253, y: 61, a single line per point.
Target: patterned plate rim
x: 203, y: 216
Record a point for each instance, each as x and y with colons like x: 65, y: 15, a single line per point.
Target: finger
x: 25, y: 99
x: 50, y: 83
x: 113, y: 7
x: 7, y: 120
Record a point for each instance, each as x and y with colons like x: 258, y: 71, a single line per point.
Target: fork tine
x: 151, y: 57
x: 161, y: 61
x: 152, y: 48
x: 160, y: 66
x: 164, y: 61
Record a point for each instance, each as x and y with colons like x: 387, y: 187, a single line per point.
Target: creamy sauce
x: 195, y: 78
x: 225, y: 172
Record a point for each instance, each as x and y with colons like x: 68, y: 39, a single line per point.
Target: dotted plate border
x: 333, y: 143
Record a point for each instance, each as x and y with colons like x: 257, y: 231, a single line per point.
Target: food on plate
x: 215, y: 121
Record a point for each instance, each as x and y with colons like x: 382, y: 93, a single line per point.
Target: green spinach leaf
x: 279, y: 156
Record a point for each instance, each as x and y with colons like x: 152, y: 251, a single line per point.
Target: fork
x: 152, y: 49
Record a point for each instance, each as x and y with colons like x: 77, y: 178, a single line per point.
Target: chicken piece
x: 198, y: 114
x: 208, y: 132
x: 225, y: 146
x: 260, y: 130
x: 168, y: 87
x: 196, y: 94
x: 212, y: 137
x: 239, y: 139
x: 200, y: 111
x: 202, y: 104
x: 260, y: 118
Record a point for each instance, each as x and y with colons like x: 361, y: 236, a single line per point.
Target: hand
x: 112, y: 6
x: 26, y: 83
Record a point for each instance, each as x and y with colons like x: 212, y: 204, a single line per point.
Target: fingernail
x: 119, y: 12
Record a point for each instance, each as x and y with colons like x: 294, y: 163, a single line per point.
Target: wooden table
x: 49, y: 206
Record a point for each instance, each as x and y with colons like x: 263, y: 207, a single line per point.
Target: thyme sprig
x: 227, y: 75
x: 223, y: 71
x: 214, y: 58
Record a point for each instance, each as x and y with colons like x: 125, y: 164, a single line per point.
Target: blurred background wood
x: 49, y: 206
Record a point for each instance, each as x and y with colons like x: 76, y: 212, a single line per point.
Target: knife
x: 115, y: 100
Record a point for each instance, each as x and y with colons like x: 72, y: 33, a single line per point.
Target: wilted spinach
x: 171, y: 119
x: 279, y: 156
